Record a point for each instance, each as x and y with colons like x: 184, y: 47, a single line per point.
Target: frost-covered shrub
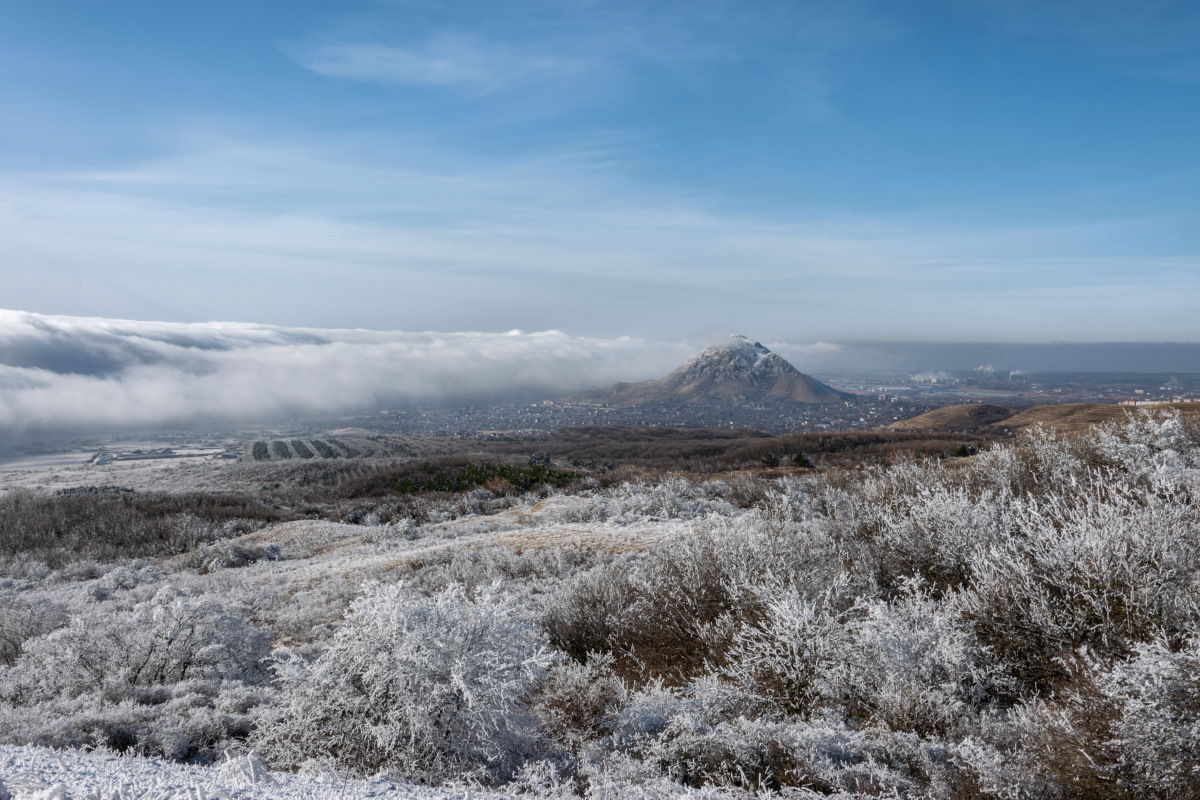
x: 912, y: 664
x: 933, y: 531
x: 186, y: 721
x: 175, y: 677
x: 524, y: 573
x: 710, y: 736
x: 591, y: 612
x: 124, y: 578
x: 21, y: 621
x: 676, y: 609
x: 423, y: 687
x: 673, y: 498
x: 786, y: 656
x: 1155, y: 733
x: 698, y: 589
x: 171, y: 638
x: 1104, y: 573
x: 589, y: 507
x: 577, y: 703
x: 1157, y: 451
x: 226, y: 554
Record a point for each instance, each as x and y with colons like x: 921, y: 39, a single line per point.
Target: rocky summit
x: 739, y: 370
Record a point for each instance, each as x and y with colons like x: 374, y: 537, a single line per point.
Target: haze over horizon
x: 800, y: 172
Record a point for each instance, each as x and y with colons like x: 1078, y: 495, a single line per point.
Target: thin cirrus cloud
x: 548, y: 244
x: 442, y: 61
x: 80, y: 372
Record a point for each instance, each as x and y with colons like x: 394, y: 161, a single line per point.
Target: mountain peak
x: 737, y: 370
x: 738, y: 357
x: 745, y: 347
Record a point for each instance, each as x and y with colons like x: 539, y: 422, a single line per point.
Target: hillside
x: 558, y: 642
x: 990, y: 420
x: 968, y: 417
x: 739, y: 370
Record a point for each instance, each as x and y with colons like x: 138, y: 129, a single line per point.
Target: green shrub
x: 281, y: 449
x: 301, y: 449
x: 261, y: 453
x: 536, y: 474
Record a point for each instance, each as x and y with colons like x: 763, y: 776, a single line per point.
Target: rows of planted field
x: 281, y: 449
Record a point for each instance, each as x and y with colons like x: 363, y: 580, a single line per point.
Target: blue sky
x: 941, y: 171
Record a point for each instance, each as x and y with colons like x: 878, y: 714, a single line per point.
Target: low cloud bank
x: 77, y: 372
x: 85, y: 373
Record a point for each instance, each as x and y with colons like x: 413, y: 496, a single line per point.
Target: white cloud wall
x: 58, y: 371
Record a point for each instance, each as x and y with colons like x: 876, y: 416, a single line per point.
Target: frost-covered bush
x: 1155, y: 733
x: 708, y: 735
x: 674, y: 498
x: 168, y: 639
x: 933, y: 530
x: 21, y: 621
x: 123, y: 578
x: 676, y: 609
x: 422, y: 687
x: 912, y: 664
x: 186, y: 721
x: 1154, y: 451
x: 591, y: 613
x: 1105, y: 573
x: 577, y: 703
x: 173, y: 676
x: 787, y: 655
x: 226, y: 554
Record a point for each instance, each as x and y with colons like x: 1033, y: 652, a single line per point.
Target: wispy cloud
x: 288, y: 235
x: 568, y: 55
x: 445, y: 60
x: 82, y: 372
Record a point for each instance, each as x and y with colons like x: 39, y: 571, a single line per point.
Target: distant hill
x: 989, y: 420
x: 740, y: 370
x: 969, y: 417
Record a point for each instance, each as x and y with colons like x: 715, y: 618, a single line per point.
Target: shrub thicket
x: 1024, y: 623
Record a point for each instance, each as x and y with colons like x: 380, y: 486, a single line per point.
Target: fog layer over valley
x: 78, y: 372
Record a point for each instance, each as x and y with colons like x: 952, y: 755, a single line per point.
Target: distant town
x: 877, y: 400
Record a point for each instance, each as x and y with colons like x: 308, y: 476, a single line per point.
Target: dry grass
x: 982, y: 419
x: 964, y: 418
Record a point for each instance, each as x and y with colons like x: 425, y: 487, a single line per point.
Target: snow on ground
x: 162, y: 474
x: 320, y: 565
x: 33, y: 773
